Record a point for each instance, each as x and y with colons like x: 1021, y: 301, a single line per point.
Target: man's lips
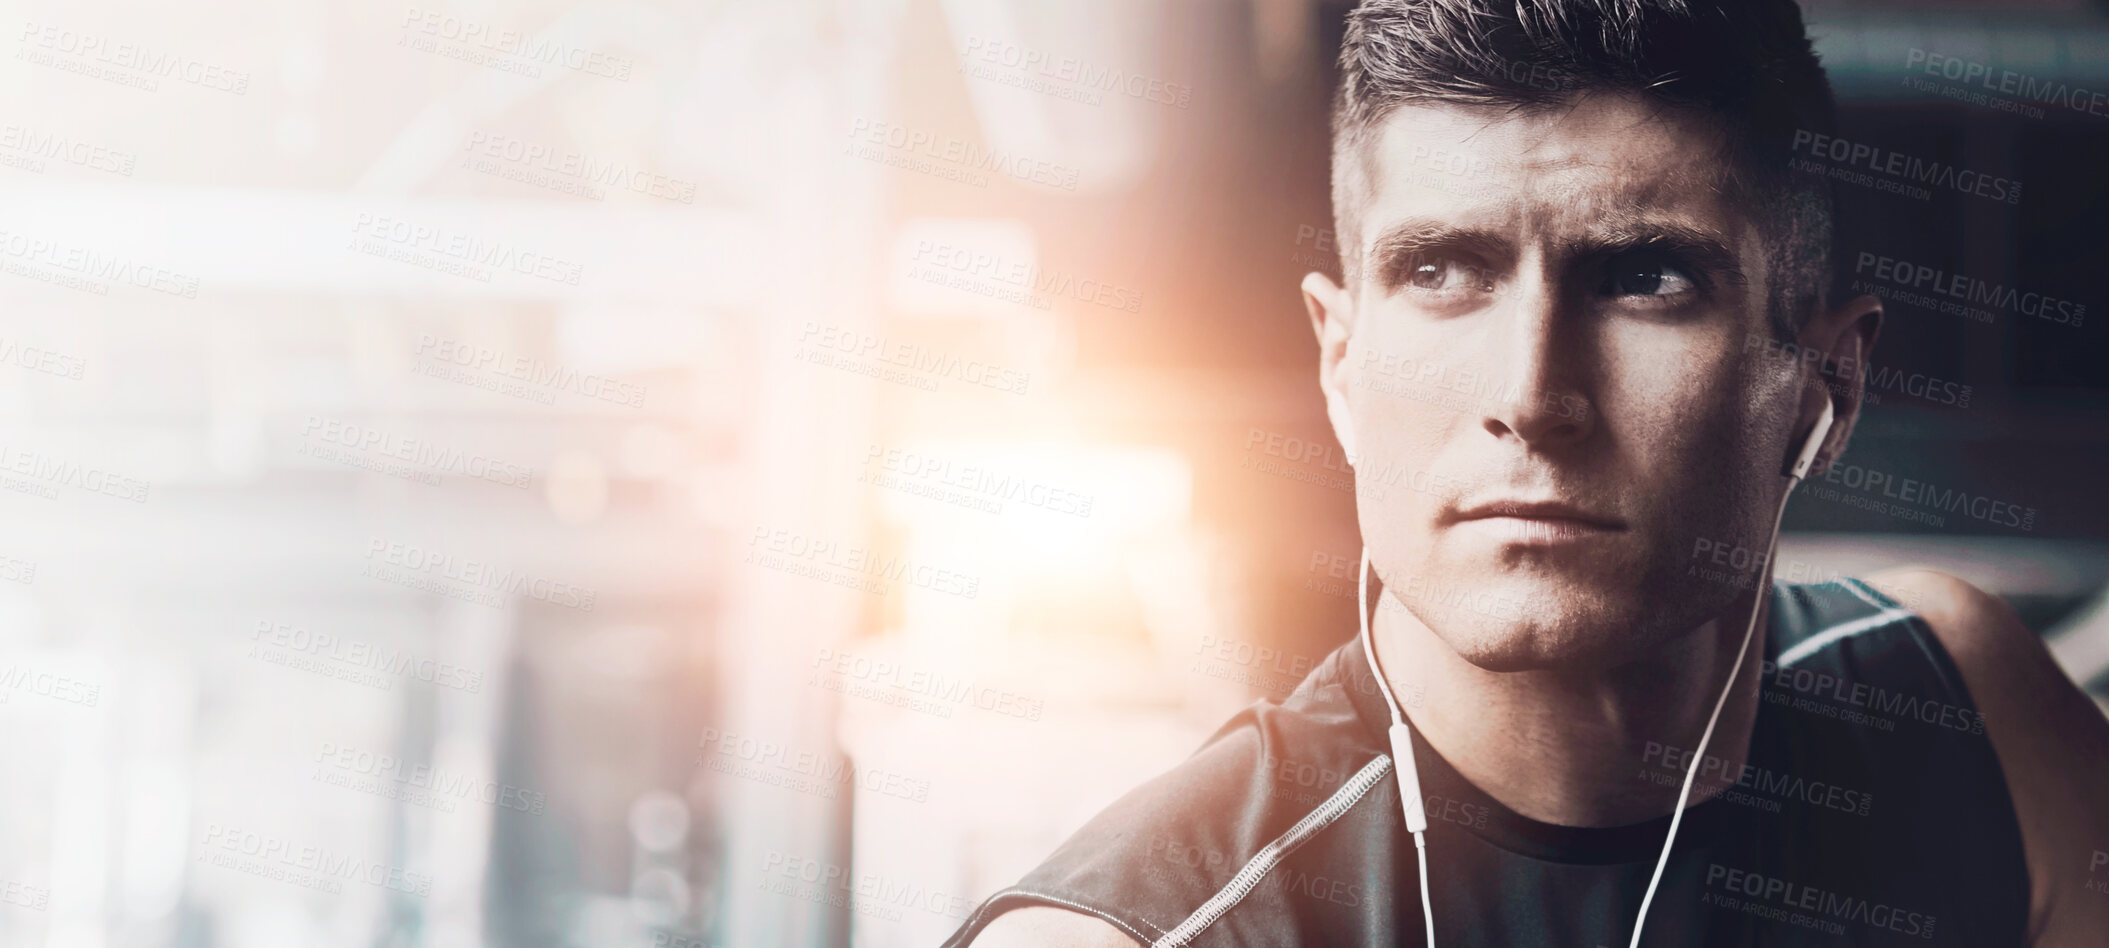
x: 1541, y: 521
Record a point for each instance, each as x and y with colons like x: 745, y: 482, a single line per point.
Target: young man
x: 1574, y: 252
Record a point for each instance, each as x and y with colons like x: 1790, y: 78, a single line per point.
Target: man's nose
x: 1542, y: 357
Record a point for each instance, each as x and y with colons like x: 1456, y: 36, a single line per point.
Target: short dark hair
x: 1745, y: 64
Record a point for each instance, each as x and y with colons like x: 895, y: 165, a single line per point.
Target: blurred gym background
x: 725, y: 473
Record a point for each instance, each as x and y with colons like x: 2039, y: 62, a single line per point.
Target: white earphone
x: 1402, y: 737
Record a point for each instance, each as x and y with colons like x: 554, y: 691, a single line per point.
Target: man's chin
x: 1521, y: 649
x: 1519, y: 626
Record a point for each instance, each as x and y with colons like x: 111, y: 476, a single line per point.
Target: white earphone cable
x: 1796, y: 469
x: 1401, y: 751
x: 1369, y: 651
x: 1763, y: 589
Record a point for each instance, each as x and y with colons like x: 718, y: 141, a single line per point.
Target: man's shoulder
x: 1971, y: 624
x: 2050, y: 739
x: 2002, y: 662
x: 1284, y: 755
x: 1186, y: 831
x: 1155, y: 856
x: 1045, y: 926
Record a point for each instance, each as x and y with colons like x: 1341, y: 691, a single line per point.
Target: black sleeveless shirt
x: 1871, y: 811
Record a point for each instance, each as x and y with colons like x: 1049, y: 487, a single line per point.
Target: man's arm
x: 2052, y: 742
x: 1042, y: 926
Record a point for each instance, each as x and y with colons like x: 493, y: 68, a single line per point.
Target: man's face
x: 1550, y: 378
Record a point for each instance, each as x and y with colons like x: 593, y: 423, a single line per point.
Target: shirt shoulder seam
x: 1106, y: 915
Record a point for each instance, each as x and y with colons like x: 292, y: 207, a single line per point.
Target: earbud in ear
x: 1798, y: 467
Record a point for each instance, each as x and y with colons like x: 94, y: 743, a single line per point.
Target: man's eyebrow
x: 1698, y: 246
x: 1401, y: 243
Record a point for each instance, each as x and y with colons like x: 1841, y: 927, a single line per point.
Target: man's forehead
x: 1598, y: 156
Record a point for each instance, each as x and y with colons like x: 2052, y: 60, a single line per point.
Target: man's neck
x: 1603, y: 748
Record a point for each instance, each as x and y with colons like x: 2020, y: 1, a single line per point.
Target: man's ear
x: 1332, y: 321
x: 1845, y: 336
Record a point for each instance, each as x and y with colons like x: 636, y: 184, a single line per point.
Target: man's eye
x: 1432, y: 272
x: 1634, y: 275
